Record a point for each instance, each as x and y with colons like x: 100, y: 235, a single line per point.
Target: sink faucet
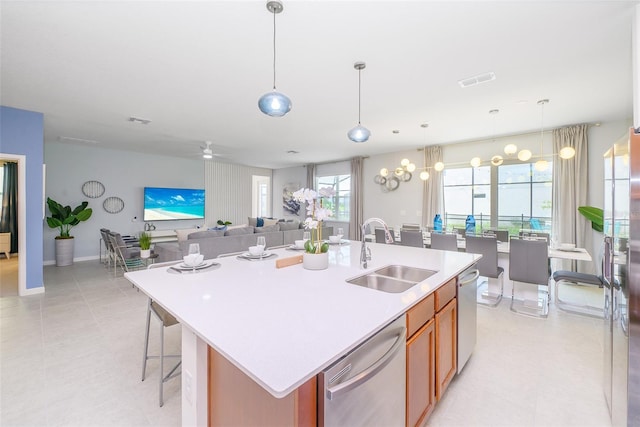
x: 365, y: 252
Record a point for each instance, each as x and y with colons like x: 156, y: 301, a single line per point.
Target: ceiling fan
x: 207, y: 151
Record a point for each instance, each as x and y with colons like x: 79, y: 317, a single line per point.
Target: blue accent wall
x: 21, y: 132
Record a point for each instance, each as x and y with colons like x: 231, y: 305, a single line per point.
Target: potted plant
x: 64, y: 219
x: 145, y: 245
x: 316, y: 256
x: 595, y: 215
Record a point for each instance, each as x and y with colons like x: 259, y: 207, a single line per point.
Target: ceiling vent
x: 476, y: 80
x: 139, y: 120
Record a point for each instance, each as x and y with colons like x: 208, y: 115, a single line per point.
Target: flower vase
x: 315, y: 261
x: 145, y: 253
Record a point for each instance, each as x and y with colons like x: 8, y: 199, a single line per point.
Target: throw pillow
x: 260, y: 222
x: 253, y: 222
x: 268, y: 221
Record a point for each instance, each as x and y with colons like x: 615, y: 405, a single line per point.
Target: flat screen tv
x: 162, y: 204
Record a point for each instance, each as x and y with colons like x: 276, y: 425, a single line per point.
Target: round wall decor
x: 113, y: 204
x: 93, y: 189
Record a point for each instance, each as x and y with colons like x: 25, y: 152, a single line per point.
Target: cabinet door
x: 421, y: 370
x: 445, y: 347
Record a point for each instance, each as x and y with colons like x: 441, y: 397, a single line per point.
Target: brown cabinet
x: 445, y: 325
x: 421, y: 367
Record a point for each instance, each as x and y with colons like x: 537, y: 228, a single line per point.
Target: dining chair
x: 572, y: 278
x: 166, y: 320
x: 529, y: 265
x: 491, y: 282
x: 411, y: 238
x: 380, y: 235
x: 127, y: 257
x: 501, y: 235
x: 411, y: 227
x: 534, y: 235
x: 461, y: 231
x: 445, y: 242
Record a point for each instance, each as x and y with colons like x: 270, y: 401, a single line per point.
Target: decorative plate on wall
x: 93, y: 189
x: 113, y: 204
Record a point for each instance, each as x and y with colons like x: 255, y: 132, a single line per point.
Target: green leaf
x: 85, y: 214
x: 595, y: 215
x: 53, y: 222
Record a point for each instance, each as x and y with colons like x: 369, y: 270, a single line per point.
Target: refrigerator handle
x: 368, y: 373
x: 606, y: 261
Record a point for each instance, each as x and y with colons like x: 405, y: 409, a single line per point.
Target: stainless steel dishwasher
x: 467, y: 314
x: 367, y: 386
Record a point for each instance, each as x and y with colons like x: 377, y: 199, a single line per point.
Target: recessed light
x: 139, y: 120
x: 424, y: 125
x: 293, y: 152
x: 396, y: 131
x: 494, y: 111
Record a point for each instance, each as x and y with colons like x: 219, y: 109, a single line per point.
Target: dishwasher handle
x: 474, y: 274
x: 368, y: 373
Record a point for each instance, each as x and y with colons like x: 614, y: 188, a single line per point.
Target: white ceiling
x: 197, y: 69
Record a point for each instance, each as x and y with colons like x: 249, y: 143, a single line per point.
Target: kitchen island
x: 281, y: 327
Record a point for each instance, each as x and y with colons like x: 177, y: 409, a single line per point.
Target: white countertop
x: 283, y: 326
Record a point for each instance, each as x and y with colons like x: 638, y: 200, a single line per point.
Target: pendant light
x: 542, y: 165
x: 274, y: 103
x: 359, y: 133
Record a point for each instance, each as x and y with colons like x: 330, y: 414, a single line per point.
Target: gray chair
x: 460, y: 231
x: 572, y: 278
x: 491, y: 284
x: 166, y: 320
x: 411, y: 238
x: 380, y: 236
x: 411, y: 227
x: 534, y: 235
x: 445, y: 242
x: 125, y: 256
x: 529, y: 264
x: 501, y: 235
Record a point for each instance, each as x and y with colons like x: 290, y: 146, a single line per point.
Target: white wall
x: 124, y: 174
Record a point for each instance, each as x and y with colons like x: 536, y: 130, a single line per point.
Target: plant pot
x: 315, y: 261
x: 145, y: 253
x: 64, y: 252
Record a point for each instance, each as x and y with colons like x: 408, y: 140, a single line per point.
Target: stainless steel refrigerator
x: 621, y: 271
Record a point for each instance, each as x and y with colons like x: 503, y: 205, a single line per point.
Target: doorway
x: 13, y: 271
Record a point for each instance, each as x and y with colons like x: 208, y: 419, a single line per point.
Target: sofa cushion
x: 269, y: 221
x: 205, y: 234
x: 253, y: 222
x: 284, y: 226
x: 267, y: 228
x: 183, y: 233
x: 237, y: 231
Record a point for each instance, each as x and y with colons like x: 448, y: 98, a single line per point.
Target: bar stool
x: 166, y: 320
x: 565, y: 277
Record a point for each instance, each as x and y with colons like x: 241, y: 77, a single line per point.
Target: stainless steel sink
x: 392, y: 278
x: 404, y: 272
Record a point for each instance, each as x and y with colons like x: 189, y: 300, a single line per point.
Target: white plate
x: 295, y: 248
x: 569, y: 249
x: 183, y: 266
x: 249, y: 256
x: 342, y: 242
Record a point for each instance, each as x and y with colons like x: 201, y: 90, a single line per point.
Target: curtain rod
x: 334, y: 161
x: 597, y: 124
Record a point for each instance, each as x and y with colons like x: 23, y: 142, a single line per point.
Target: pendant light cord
x: 542, y: 129
x: 359, y: 92
x: 274, y: 50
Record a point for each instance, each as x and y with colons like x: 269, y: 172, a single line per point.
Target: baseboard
x: 32, y: 291
x: 79, y: 259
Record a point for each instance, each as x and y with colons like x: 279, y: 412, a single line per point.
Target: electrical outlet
x: 187, y: 386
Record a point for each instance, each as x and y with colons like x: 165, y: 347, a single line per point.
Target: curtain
x: 9, y: 217
x: 570, y: 184
x: 432, y: 187
x: 311, y: 175
x: 356, y: 216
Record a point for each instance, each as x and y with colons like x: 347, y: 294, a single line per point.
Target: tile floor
x: 72, y: 357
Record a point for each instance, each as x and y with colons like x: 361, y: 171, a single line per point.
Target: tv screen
x: 161, y: 204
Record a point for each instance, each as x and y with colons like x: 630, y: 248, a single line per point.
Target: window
x: 524, y: 197
x: 467, y: 191
x: 1, y: 186
x: 511, y: 196
x: 340, y: 204
x: 261, y: 195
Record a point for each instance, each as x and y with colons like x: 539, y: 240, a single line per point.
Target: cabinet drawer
x: 445, y: 293
x: 419, y: 314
